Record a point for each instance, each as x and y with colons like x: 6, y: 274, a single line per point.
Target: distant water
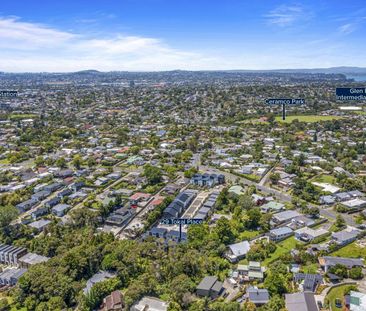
x: 360, y: 78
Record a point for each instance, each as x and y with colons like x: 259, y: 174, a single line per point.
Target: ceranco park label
x: 351, y: 93
x: 284, y: 102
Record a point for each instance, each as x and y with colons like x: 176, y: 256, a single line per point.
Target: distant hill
x: 331, y: 70
x: 334, y: 70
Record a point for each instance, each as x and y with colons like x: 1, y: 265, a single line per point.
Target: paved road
x: 330, y: 213
x: 325, y: 212
x: 234, y: 178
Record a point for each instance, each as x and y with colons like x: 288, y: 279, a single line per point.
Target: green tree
x: 153, y: 174
x: 61, y: 162
x: 274, y: 177
x: 4, y: 304
x: 77, y: 161
x: 276, y: 303
x: 356, y: 273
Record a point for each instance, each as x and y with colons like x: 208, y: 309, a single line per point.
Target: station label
x: 8, y: 94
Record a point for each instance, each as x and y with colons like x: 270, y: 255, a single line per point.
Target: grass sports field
x: 308, y: 119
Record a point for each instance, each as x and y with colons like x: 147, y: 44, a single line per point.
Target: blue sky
x: 170, y: 34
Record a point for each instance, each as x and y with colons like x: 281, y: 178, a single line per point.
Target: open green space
x: 283, y: 247
x: 351, y: 250
x: 248, y: 235
x: 308, y: 119
x: 311, y: 268
x: 338, y: 292
x: 22, y: 116
x: 329, y: 179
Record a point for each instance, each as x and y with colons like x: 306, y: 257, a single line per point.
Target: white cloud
x: 347, y: 28
x: 285, y: 15
x: 21, y: 35
x: 33, y: 47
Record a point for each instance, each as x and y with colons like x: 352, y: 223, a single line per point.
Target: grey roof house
x: 209, y: 287
x: 237, y: 251
x: 258, y: 296
x: 300, y: 302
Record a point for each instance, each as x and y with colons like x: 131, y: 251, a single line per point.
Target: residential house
x: 11, y: 276
x: 251, y: 272
x: 279, y: 234
x: 207, y: 180
x: 354, y: 204
x: 31, y: 259
x: 301, y: 302
x: 40, y: 225
x: 308, y: 282
x: 284, y: 217
x: 40, y: 211
x: 52, y: 202
x: 180, y: 204
x: 237, y: 251
x: 345, y: 237
x: 258, y: 296
x: 60, y: 210
x: 209, y: 287
x: 26, y: 205
x: 307, y: 234
x: 10, y: 255
x: 41, y: 195
x: 113, y: 302
x: 138, y: 197
x: 96, y: 278
x: 272, y: 207
x: 357, y: 301
x: 329, y: 261
x: 157, y: 232
x: 150, y: 304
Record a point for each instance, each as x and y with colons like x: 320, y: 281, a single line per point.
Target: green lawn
x: 337, y: 292
x: 4, y: 161
x: 351, y: 250
x: 360, y: 112
x: 308, y: 119
x: 329, y: 179
x: 248, y: 235
x: 311, y: 268
x: 22, y: 116
x: 282, y: 248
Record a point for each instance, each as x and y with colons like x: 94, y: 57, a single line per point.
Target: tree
x: 153, y: 174
x: 99, y: 290
x: 61, y: 162
x: 7, y: 214
x: 339, y: 270
x: 190, y: 172
x: 77, y: 161
x: 224, y: 231
x: 4, y: 304
x: 340, y: 222
x: 39, y: 161
x: 356, y: 273
x: 246, y: 202
x: 91, y: 162
x: 254, y: 217
x: 276, y: 303
x: 274, y: 177
x: 276, y: 283
x: 249, y: 306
